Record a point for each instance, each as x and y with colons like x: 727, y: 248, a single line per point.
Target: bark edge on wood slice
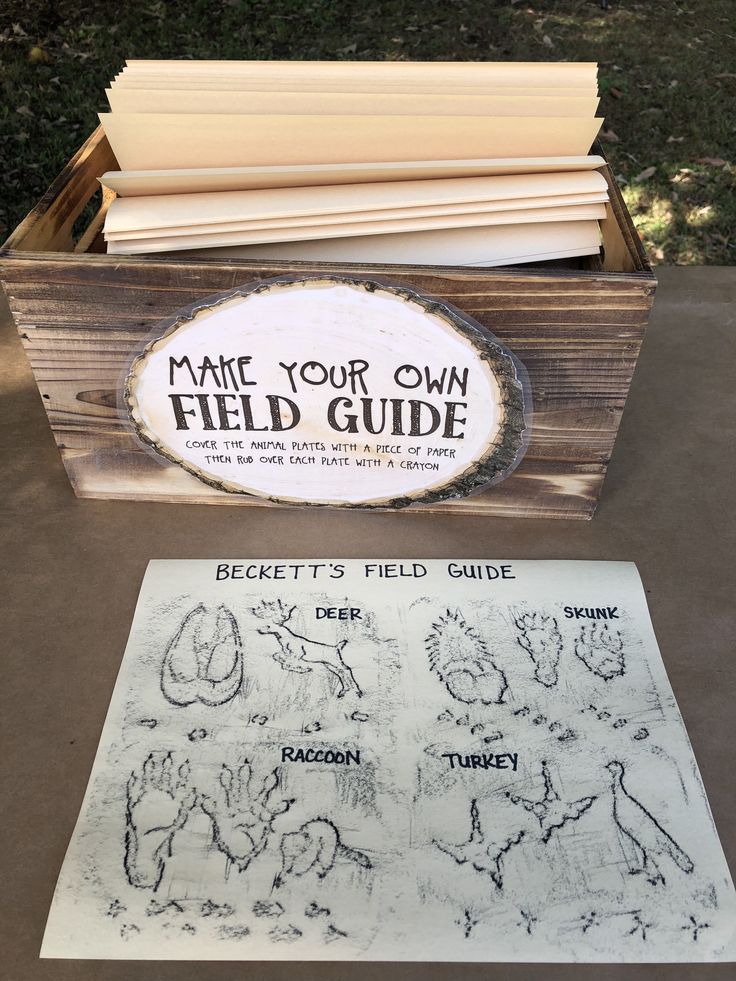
x: 501, y: 444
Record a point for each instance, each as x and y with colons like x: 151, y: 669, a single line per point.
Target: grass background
x: 667, y: 78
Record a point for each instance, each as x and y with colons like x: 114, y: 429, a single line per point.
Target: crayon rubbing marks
x: 228, y: 932
x: 316, y: 846
x: 484, y: 855
x: 562, y: 732
x: 300, y: 654
x: 267, y: 908
x: 539, y: 635
x: 285, y: 934
x: 528, y: 921
x: 639, y: 926
x: 467, y: 923
x: 210, y: 908
x: 314, y: 910
x: 601, y: 650
x: 550, y: 810
x: 159, y: 800
x: 155, y: 908
x: 461, y: 660
x: 204, y: 659
x: 242, y: 814
x: 643, y: 839
x: 694, y: 927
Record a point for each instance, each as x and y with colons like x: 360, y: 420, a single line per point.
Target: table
x: 70, y: 571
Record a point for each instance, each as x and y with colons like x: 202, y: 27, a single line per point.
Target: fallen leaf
x: 712, y: 161
x: 645, y: 174
x: 37, y: 56
x: 608, y: 136
x: 675, y: 139
x: 547, y: 41
x: 725, y: 75
x: 24, y: 111
x: 682, y: 176
x: 349, y: 49
x: 616, y: 93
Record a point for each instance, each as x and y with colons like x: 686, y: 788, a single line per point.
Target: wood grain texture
x: 81, y: 318
x: 49, y: 225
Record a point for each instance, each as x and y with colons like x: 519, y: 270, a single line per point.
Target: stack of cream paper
x: 467, y: 163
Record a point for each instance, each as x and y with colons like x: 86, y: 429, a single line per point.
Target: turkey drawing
x: 650, y: 842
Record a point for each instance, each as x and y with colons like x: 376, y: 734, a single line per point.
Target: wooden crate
x: 80, y: 313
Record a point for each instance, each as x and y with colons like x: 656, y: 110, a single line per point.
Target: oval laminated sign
x: 329, y: 391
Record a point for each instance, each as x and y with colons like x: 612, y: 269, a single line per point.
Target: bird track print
x: 551, y: 810
x: 483, y: 854
x: 318, y: 762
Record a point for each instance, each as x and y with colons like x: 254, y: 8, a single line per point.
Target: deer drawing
x: 300, y: 654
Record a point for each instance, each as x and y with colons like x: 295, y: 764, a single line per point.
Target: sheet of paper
x: 133, y: 214
x: 133, y: 183
x: 393, y: 760
x: 159, y: 141
x: 346, y: 103
x: 352, y: 73
x: 302, y: 233
x: 475, y: 207
x: 241, y: 252
x: 494, y: 246
x: 234, y: 83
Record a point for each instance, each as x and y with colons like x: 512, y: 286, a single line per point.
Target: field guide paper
x: 393, y: 760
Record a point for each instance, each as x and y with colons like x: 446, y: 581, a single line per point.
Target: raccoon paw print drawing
x: 204, y: 660
x: 242, y: 816
x: 158, y: 803
x: 459, y: 657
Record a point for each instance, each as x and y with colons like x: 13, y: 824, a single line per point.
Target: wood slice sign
x: 329, y: 391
